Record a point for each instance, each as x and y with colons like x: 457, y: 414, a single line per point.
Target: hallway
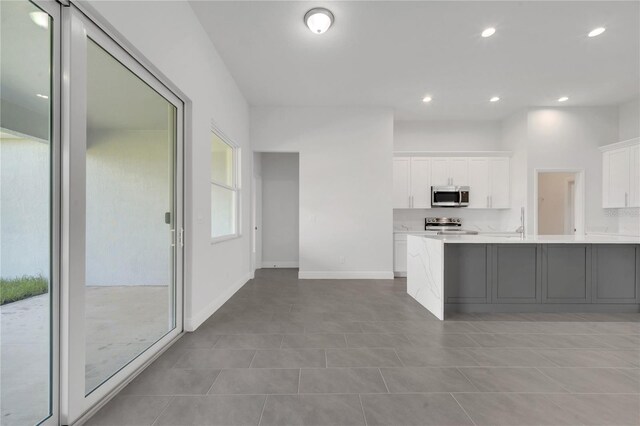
x: 355, y: 352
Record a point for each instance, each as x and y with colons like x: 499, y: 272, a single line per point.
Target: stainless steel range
x: 446, y: 226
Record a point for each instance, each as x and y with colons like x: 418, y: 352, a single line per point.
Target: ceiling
x: 392, y: 54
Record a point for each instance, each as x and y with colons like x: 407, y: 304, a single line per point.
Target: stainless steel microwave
x: 449, y: 196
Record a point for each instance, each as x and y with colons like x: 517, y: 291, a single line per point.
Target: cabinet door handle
x: 487, y: 201
x: 491, y: 201
x: 626, y: 199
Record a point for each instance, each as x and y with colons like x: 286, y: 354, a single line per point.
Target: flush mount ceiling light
x: 563, y: 99
x: 41, y: 19
x: 488, y: 32
x: 596, y: 32
x: 318, y: 20
x: 494, y: 99
x: 426, y: 99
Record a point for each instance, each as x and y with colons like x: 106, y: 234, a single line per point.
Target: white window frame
x: 236, y: 186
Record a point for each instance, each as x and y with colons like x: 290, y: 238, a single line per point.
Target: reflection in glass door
x: 28, y: 144
x: 129, y: 282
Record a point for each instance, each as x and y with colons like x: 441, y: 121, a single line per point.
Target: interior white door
x: 420, y: 182
x: 440, y: 172
x: 499, y: 178
x: 618, y: 178
x: 634, y: 172
x: 459, y: 171
x: 401, y: 182
x: 479, y: 188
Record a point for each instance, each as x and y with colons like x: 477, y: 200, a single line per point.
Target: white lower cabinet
x: 400, y: 254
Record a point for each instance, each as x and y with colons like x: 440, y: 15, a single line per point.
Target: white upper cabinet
x: 489, y: 183
x: 401, y: 184
x: 420, y: 183
x: 479, y: 177
x: 449, y: 171
x: 621, y: 175
x: 487, y: 177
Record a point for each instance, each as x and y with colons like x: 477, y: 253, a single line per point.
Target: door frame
x: 579, y: 204
x: 74, y: 404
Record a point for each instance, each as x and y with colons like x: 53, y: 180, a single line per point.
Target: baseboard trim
x: 192, y: 323
x: 280, y: 264
x: 345, y: 275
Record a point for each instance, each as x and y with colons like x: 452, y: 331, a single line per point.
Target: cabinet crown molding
x: 452, y: 153
x: 621, y: 144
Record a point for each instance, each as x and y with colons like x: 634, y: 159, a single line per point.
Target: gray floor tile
x: 510, y: 379
x: 593, y: 380
x: 600, y: 409
x: 333, y: 327
x: 173, y: 381
x: 413, y: 409
x: 509, y: 409
x: 431, y: 379
x: 620, y: 341
x: 377, y: 340
x: 436, y: 357
x: 505, y: 340
x: 127, y: 410
x: 214, y: 358
x: 289, y: 358
x: 213, y: 410
x: 442, y: 341
x: 198, y: 339
x: 586, y: 358
x: 506, y: 357
x: 316, y: 340
x: 249, y: 341
x: 312, y: 410
x: 256, y: 381
x: 341, y: 380
x: 362, y: 357
x: 568, y: 341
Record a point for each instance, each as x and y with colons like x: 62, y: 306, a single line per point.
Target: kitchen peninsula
x: 547, y: 273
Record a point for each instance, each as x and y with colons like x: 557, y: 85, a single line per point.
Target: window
x: 225, y: 188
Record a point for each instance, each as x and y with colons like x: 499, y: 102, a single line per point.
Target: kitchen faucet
x: 520, y: 229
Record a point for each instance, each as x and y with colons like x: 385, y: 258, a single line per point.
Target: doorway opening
x: 559, y: 202
x: 276, y: 210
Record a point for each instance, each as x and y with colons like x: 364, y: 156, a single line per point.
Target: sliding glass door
x: 28, y: 211
x: 122, y: 215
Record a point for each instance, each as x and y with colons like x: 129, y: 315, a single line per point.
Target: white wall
x: 24, y: 208
x: 629, y: 120
x: 280, y: 209
x: 568, y: 138
x: 173, y: 40
x: 345, y: 185
x: 446, y: 136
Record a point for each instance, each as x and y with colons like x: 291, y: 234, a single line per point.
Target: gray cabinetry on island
x: 544, y: 277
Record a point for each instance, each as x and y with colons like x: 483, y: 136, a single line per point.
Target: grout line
x: 163, y: 410
x: 326, y: 362
x: 553, y: 380
x: 264, y: 404
x: 252, y: 358
x: 462, y: 408
x: 468, y: 379
x: 383, y: 380
x: 362, y: 407
x: 398, y: 356
x: 299, y: 379
x: 281, y: 342
x: 214, y: 382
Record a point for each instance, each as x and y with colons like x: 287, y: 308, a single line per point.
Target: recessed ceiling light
x: 41, y: 19
x: 563, y: 99
x: 494, y: 99
x: 597, y: 31
x: 488, y: 32
x: 426, y: 99
x: 318, y: 20
x: 42, y: 96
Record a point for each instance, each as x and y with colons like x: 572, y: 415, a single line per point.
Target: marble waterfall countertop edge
x: 531, y: 239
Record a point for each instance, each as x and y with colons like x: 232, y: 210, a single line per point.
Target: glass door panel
x: 129, y: 218
x: 27, y: 279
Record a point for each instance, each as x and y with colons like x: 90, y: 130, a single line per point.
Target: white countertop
x: 532, y: 239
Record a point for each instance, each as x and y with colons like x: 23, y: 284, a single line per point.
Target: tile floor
x: 361, y: 352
